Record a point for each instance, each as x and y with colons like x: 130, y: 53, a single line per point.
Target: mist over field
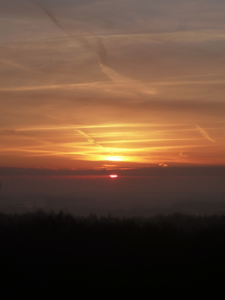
x: 125, y: 196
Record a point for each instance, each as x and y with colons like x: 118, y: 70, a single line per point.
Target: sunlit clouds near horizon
x: 112, y: 84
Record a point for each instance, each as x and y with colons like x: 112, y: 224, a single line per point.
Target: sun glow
x: 115, y: 158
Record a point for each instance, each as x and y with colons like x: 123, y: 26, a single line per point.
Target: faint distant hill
x: 198, y: 207
x: 186, y: 207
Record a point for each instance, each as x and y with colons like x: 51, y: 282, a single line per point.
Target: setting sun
x: 113, y: 176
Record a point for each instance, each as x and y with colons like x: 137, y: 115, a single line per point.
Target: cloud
x: 182, y: 154
x: 204, y: 134
x: 162, y: 164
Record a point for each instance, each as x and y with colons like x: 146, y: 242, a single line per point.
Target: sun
x: 113, y: 176
x: 114, y: 158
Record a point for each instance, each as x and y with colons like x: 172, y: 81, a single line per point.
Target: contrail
x: 101, y: 51
x: 204, y: 134
x: 91, y: 140
x: 13, y: 132
x: 112, y: 74
x: 54, y: 86
x: 57, y: 23
x: 16, y: 65
x: 54, y: 20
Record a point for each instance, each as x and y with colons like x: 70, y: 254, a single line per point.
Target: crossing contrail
x: 99, y: 49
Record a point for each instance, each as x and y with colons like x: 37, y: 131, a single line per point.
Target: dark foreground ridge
x: 49, y: 247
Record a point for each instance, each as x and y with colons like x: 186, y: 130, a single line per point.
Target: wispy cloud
x: 204, y: 134
x: 181, y: 154
x: 16, y: 65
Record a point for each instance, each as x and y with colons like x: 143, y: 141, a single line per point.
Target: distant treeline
x: 57, y: 245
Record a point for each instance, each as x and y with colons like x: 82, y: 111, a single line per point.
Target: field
x: 55, y: 248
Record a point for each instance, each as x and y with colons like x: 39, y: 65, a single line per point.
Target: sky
x: 108, y: 84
